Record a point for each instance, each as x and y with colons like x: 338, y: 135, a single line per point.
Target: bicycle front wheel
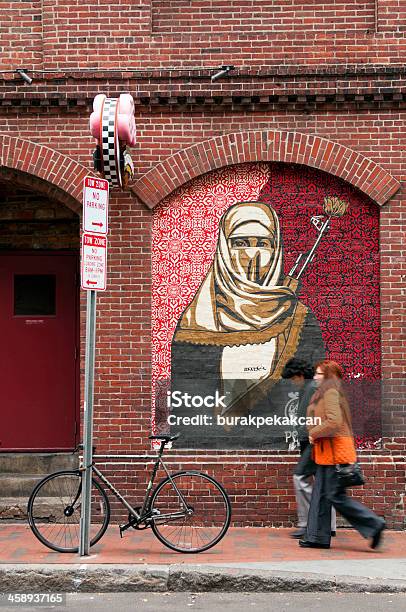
x: 190, y: 514
x: 54, y: 511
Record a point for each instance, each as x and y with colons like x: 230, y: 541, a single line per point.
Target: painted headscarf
x: 241, y: 300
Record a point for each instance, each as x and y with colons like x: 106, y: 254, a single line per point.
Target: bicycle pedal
x: 123, y: 528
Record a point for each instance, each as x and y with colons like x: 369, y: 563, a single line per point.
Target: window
x: 34, y: 294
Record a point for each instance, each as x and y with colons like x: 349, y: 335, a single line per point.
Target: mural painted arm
x: 311, y: 345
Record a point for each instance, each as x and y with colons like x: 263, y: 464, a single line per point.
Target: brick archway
x: 267, y: 145
x: 42, y: 169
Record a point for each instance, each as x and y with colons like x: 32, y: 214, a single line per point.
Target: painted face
x: 251, y: 256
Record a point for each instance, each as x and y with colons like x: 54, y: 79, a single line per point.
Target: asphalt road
x: 227, y: 602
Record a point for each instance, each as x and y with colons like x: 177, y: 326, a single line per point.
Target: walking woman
x: 333, y: 443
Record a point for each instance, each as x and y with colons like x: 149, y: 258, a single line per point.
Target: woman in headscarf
x: 245, y: 321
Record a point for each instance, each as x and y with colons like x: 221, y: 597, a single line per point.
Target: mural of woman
x: 245, y: 320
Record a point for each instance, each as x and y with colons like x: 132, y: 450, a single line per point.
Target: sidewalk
x: 246, y: 559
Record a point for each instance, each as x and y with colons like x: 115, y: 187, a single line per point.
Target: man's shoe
x: 333, y: 534
x: 307, y: 544
x: 377, y: 538
x: 299, y: 533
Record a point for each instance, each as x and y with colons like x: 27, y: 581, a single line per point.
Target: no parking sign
x: 95, y: 205
x: 94, y: 262
x: 94, y: 239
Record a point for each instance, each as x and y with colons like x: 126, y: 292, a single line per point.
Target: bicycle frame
x: 143, y: 513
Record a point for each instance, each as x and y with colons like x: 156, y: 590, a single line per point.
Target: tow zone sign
x: 95, y: 205
x: 94, y: 262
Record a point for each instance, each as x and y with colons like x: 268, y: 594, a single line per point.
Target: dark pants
x: 303, y: 483
x: 326, y: 494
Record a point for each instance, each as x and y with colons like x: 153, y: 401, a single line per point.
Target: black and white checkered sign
x: 110, y: 144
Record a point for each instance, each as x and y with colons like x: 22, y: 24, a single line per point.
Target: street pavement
x: 229, y: 602
x: 247, y: 559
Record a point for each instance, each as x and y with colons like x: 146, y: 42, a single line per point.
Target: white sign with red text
x: 95, y: 205
x: 94, y: 262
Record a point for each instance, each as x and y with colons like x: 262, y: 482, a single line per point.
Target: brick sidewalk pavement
x: 244, y: 545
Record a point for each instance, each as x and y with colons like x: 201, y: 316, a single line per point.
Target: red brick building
x: 313, y: 108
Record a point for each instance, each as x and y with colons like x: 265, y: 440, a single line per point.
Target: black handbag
x: 349, y: 475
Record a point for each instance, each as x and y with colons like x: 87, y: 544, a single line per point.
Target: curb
x: 177, y: 578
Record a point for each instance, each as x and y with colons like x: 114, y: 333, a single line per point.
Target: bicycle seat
x: 165, y: 438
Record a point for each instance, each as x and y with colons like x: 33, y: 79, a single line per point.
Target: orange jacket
x: 332, y: 439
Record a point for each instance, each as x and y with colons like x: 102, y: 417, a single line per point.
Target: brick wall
x: 378, y: 135
x: 21, y: 34
x: 254, y: 484
x: 337, y: 76
x: 49, y: 35
x: 220, y: 16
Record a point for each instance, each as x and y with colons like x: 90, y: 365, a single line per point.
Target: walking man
x: 301, y: 373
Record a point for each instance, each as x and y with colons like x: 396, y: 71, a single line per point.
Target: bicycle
x: 188, y: 511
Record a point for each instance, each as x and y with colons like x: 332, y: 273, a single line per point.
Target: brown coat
x: 332, y: 438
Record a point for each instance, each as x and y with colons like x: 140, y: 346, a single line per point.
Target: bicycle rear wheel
x: 54, y: 511
x: 191, y: 515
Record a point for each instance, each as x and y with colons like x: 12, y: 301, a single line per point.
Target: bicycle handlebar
x: 164, y: 438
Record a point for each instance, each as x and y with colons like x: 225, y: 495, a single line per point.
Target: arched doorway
x: 39, y: 317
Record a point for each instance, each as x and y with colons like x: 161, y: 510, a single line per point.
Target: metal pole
x: 85, y: 514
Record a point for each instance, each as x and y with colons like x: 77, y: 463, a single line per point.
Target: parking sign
x: 95, y: 205
x: 94, y: 262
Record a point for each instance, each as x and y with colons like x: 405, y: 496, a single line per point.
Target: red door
x: 38, y: 351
